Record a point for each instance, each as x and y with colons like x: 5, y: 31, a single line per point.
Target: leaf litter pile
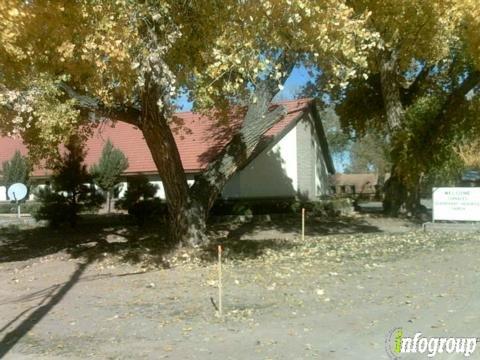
x: 370, y: 249
x: 299, y: 269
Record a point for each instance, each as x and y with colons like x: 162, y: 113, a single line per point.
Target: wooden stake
x: 303, y: 224
x: 220, y: 280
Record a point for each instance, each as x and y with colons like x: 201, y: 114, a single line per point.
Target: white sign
x: 456, y: 203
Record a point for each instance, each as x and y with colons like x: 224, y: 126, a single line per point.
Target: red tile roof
x: 199, y: 140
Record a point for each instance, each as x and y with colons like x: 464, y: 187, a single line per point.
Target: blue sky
x: 294, y: 84
x: 292, y: 88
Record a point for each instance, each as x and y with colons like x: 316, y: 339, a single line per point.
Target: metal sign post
x: 18, y: 205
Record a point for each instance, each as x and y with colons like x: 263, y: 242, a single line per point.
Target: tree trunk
x: 187, y: 219
x: 395, y: 191
x: 401, y: 196
x: 189, y: 207
x: 392, y: 101
x: 413, y: 204
x: 189, y: 225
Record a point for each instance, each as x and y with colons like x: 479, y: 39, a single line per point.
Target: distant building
x: 292, y: 159
x: 365, y: 184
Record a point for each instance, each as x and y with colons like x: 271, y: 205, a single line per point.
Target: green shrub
x: 29, y: 207
x: 7, y: 208
x: 150, y: 210
x: 138, y: 188
x: 57, y: 207
x: 71, y: 191
x: 140, y: 202
x: 241, y: 208
x: 108, y: 171
x: 331, y: 207
x: 15, y: 170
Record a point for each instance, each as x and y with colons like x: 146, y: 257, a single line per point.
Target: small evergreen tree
x: 140, y: 202
x: 138, y: 189
x: 71, y: 191
x: 108, y: 171
x: 15, y: 170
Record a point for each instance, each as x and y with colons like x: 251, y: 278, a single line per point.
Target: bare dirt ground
x: 106, y: 292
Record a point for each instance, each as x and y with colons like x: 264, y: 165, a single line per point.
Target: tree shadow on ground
x: 48, y: 298
x: 52, y: 297
x: 251, y: 239
x: 29, y: 243
x: 116, y: 235
x: 289, y: 227
x: 100, y: 234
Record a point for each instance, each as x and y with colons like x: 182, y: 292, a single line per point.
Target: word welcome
x: 457, y: 204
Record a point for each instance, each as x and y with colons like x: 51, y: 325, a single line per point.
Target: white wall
x: 273, y: 173
x: 122, y: 188
x: 155, y: 180
x: 306, y: 159
x: 312, y: 168
x: 34, y: 189
x: 161, y: 190
x: 321, y: 173
x: 322, y: 186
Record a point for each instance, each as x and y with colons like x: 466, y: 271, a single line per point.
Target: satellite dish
x: 17, y: 191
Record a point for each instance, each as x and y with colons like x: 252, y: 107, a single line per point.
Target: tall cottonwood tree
x: 416, y: 85
x: 64, y: 66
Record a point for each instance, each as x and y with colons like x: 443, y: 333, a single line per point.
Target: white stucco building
x: 292, y: 161
x: 295, y: 165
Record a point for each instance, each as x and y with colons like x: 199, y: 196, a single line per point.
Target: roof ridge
x: 305, y: 99
x: 197, y: 146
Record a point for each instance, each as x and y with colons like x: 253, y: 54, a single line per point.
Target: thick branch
x: 413, y: 90
x: 447, y: 118
x: 91, y: 105
x: 236, y: 154
x: 455, y: 100
x: 271, y: 84
x: 468, y: 84
x: 258, y: 119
